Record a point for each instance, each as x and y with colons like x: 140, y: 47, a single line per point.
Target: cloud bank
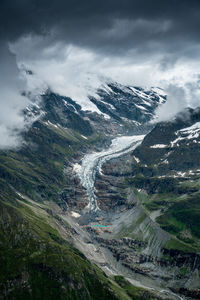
x: 74, y: 46
x: 11, y: 100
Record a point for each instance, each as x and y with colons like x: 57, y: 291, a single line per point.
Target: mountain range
x: 142, y: 241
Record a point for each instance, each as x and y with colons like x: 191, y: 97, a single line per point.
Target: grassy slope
x: 133, y: 292
x: 36, y: 263
x: 176, y: 197
x: 179, y: 204
x: 37, y: 168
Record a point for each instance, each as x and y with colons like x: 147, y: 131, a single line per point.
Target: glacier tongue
x: 92, y: 163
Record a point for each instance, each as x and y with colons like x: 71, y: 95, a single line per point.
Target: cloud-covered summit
x: 71, y: 45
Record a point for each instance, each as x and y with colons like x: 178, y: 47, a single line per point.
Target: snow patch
x: 158, y: 146
x: 140, y: 107
x: 108, y: 104
x: 75, y: 214
x: 194, y: 128
x: 136, y: 158
x: 165, y: 162
x: 76, y: 168
x: 188, y: 133
x: 159, y: 91
x: 48, y: 123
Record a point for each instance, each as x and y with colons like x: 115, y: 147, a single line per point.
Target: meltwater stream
x: 91, y: 163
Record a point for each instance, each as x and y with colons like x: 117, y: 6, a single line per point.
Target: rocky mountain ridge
x: 37, y: 231
x: 132, y: 234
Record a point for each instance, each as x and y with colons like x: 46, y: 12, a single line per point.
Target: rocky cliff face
x: 173, y: 147
x: 128, y: 103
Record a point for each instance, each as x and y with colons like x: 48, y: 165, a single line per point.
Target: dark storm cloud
x: 111, y: 26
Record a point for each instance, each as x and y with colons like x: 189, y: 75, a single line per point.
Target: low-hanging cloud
x: 175, y: 103
x: 76, y: 72
x: 74, y: 46
x: 11, y: 100
x: 178, y: 98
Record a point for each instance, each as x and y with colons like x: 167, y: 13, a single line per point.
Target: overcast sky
x: 72, y: 46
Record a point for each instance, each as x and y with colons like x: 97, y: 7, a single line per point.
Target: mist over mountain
x: 100, y: 150
x: 73, y: 47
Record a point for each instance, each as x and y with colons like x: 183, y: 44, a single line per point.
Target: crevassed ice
x: 92, y: 163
